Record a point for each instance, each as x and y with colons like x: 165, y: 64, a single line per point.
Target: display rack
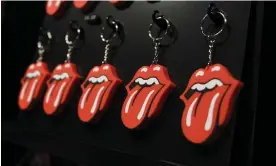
x: 109, y: 142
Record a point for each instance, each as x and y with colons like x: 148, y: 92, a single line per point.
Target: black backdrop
x: 109, y: 141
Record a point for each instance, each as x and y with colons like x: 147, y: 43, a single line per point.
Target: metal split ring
x: 73, y: 25
x: 168, y: 27
x: 44, y: 39
x: 213, y: 35
x: 113, y: 24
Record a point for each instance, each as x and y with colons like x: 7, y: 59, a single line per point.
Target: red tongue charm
x: 81, y: 4
x: 147, y: 92
x: 60, y: 87
x: 84, y: 5
x: 98, y: 89
x: 33, y: 84
x: 208, y: 98
x: 55, y: 7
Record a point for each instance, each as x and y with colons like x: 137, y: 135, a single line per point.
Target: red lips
x: 60, y: 87
x: 147, y: 92
x: 54, y: 7
x: 98, y: 89
x: 208, y: 101
x: 80, y: 4
x: 33, y: 84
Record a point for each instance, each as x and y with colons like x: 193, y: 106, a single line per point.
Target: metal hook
x: 213, y: 13
x: 159, y: 19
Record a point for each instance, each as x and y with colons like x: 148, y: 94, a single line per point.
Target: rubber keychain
x: 64, y: 77
x: 209, y: 96
x: 101, y: 82
x: 80, y: 4
x: 84, y: 5
x: 148, y: 89
x: 34, y: 80
x: 55, y: 7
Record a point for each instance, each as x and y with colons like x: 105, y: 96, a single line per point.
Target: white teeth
x: 194, y: 87
x: 209, y: 85
x: 93, y: 80
x: 64, y: 75
x: 149, y: 81
x: 102, y: 78
x: 98, y: 79
x: 152, y: 81
x: 29, y: 75
x: 219, y: 83
x: 140, y: 81
x: 56, y: 77
x: 200, y: 87
x: 33, y: 74
x: 61, y: 76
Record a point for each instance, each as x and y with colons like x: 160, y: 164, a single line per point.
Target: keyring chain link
x: 211, y: 43
x: 69, y: 53
x: 211, y: 37
x: 41, y: 51
x: 156, y: 51
x: 106, y: 51
x: 71, y: 44
x: 109, y: 40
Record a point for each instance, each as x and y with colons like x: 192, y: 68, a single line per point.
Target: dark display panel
x: 163, y: 141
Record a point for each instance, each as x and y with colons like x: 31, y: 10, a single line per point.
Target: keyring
x: 73, y: 26
x: 112, y: 23
x: 44, y: 39
x: 166, y: 31
x: 43, y: 43
x: 75, y: 43
x: 221, y: 29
